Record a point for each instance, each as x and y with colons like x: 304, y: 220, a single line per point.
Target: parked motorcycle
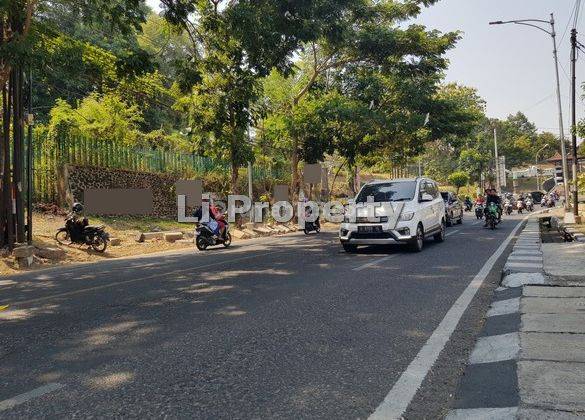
x: 311, y: 226
x: 492, y: 215
x: 78, y: 231
x: 479, y: 210
x: 205, y: 237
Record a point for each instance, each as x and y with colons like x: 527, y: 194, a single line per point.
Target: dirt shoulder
x: 124, y: 228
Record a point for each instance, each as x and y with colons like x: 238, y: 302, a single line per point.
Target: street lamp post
x: 534, y: 23
x: 536, y: 166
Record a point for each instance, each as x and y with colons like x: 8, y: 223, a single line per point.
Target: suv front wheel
x: 418, y: 241
x: 350, y: 249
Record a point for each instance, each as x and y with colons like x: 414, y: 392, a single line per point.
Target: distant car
x: 536, y: 196
x: 409, y: 211
x: 453, y: 208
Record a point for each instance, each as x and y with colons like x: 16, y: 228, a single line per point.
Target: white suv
x: 395, y: 211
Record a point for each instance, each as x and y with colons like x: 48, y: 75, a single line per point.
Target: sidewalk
x: 529, y: 361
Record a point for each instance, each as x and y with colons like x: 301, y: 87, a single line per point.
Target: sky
x: 510, y: 65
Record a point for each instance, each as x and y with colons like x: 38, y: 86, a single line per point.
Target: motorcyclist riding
x: 493, y: 197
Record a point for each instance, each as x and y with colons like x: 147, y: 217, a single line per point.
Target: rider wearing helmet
x: 493, y: 197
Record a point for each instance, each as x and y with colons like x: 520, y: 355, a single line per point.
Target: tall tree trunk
x: 295, y: 179
x: 351, y: 175
x: 18, y: 155
x: 234, y: 177
x: 7, y: 186
x: 335, y: 178
x: 234, y: 153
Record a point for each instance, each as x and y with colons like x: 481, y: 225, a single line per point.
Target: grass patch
x: 140, y: 223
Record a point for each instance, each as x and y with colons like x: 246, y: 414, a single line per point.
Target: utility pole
x: 497, y: 160
x: 574, y: 123
x: 29, y: 158
x: 536, y: 23
x: 561, y: 125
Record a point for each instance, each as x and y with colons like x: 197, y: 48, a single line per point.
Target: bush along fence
x: 50, y: 157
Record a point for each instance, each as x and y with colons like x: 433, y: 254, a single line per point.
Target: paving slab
x: 534, y: 252
x: 548, y: 305
x: 564, y: 259
x: 518, y: 258
x: 529, y: 264
x: 522, y: 279
x: 504, y: 307
x: 536, y: 414
x: 553, y: 292
x: 525, y: 249
x: 495, y: 348
x: 523, y: 269
x: 554, y: 323
x: 488, y: 385
x: 552, y: 385
x: 501, y: 324
x: 522, y: 242
x: 507, y: 413
x: 554, y: 347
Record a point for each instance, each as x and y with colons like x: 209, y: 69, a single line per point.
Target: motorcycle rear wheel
x: 228, y: 240
x: 99, y: 244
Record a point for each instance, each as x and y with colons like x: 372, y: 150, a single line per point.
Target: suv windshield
x: 391, y: 191
x: 445, y: 196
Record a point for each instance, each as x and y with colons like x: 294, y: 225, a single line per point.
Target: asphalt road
x: 286, y: 327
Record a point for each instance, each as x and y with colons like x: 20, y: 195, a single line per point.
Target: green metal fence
x: 49, y: 154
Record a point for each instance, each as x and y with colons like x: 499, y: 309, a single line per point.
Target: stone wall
x: 80, y: 178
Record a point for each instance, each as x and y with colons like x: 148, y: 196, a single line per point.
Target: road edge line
x: 27, y: 396
x: 404, y: 390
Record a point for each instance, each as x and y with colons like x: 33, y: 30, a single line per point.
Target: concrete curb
x: 489, y: 387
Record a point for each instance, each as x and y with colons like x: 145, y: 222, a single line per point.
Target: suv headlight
x: 407, y: 216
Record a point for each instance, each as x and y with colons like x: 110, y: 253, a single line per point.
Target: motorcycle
x: 468, y: 205
x: 508, y: 207
x: 492, y: 215
x: 311, y: 226
x: 529, y: 205
x: 205, y: 237
x: 78, y: 231
x: 520, y: 206
x: 479, y: 210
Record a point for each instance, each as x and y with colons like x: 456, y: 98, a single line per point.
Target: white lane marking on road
x: 496, y: 348
x: 405, y: 388
x: 375, y: 262
x: 27, y: 396
x: 504, y: 307
x: 121, y: 283
x: 453, y: 233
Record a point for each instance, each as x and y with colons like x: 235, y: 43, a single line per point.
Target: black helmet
x: 77, y: 207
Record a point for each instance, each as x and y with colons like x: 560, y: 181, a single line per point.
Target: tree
x: 17, y: 18
x: 473, y: 162
x: 458, y: 179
